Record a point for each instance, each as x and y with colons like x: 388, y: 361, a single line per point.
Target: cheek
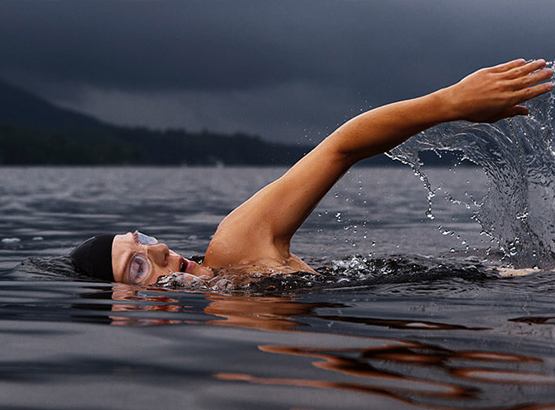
x: 174, y: 262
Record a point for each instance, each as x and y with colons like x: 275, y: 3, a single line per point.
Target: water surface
x: 411, y: 314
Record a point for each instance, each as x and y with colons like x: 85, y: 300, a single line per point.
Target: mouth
x: 186, y: 266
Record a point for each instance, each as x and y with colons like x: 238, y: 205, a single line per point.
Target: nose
x: 159, y: 253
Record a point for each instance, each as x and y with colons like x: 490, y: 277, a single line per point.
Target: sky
x: 287, y: 70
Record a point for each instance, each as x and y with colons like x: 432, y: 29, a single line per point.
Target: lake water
x: 409, y: 313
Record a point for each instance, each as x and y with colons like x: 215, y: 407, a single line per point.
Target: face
x: 139, y: 259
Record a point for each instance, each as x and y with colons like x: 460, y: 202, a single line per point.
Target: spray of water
x: 518, y: 157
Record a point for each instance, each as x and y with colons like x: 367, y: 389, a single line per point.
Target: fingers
x: 508, y: 66
x: 517, y: 69
x: 524, y: 95
x: 533, y: 92
x: 524, y: 80
x: 509, y: 112
x: 531, y: 79
x: 517, y: 110
x: 526, y: 69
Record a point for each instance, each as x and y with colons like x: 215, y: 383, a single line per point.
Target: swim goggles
x: 139, y: 267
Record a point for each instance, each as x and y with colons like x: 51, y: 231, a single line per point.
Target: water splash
x: 518, y: 157
x: 355, y: 272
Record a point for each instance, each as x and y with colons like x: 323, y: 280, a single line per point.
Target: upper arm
x: 273, y: 215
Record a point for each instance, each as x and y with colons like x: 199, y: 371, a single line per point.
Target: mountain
x: 19, y: 107
x: 36, y: 132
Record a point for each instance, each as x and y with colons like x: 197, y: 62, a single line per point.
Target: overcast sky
x: 287, y: 70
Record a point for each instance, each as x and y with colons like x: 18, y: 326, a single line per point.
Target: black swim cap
x: 94, y: 257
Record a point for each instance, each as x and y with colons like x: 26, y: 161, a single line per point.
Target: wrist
x: 447, y: 108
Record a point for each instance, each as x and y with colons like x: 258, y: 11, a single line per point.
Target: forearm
x: 487, y: 95
x: 383, y: 128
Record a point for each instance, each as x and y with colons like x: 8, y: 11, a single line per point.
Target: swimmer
x: 256, y: 236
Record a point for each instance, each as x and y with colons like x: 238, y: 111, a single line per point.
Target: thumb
x: 516, y: 110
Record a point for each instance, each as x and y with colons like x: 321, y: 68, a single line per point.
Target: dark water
x: 408, y: 313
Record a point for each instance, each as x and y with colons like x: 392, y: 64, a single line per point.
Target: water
x: 410, y: 311
x: 518, y: 157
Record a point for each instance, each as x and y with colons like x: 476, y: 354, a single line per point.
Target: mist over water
x: 518, y: 157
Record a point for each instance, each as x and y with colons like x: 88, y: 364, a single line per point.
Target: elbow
x: 347, y: 150
x: 340, y: 153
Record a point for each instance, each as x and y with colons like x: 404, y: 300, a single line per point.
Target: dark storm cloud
x: 374, y: 51
x: 221, y: 44
x: 203, y: 45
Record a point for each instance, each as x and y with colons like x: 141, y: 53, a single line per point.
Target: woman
x: 256, y: 236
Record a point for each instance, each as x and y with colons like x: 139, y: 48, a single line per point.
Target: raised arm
x: 487, y: 95
x: 273, y: 215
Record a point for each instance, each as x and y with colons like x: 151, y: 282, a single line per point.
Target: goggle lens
x: 140, y: 267
x: 145, y: 239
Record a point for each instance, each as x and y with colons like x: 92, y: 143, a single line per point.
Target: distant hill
x: 19, y: 107
x: 36, y: 132
x: 21, y: 145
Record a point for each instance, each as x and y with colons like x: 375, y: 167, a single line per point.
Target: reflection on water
x: 535, y: 320
x: 400, y: 324
x: 399, y: 363
x: 437, y: 373
x: 155, y: 308
x: 394, y: 359
x: 354, y: 344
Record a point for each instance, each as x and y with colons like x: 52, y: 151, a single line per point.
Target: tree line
x: 24, y: 145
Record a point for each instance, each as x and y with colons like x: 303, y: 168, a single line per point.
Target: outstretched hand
x: 494, y: 93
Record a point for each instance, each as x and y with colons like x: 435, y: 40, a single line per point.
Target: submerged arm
x: 273, y: 215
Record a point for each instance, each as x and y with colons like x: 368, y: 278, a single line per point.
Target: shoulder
x: 237, y: 242
x: 243, y: 248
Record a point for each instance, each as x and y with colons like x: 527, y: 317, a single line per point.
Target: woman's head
x: 94, y: 257
x: 132, y: 258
